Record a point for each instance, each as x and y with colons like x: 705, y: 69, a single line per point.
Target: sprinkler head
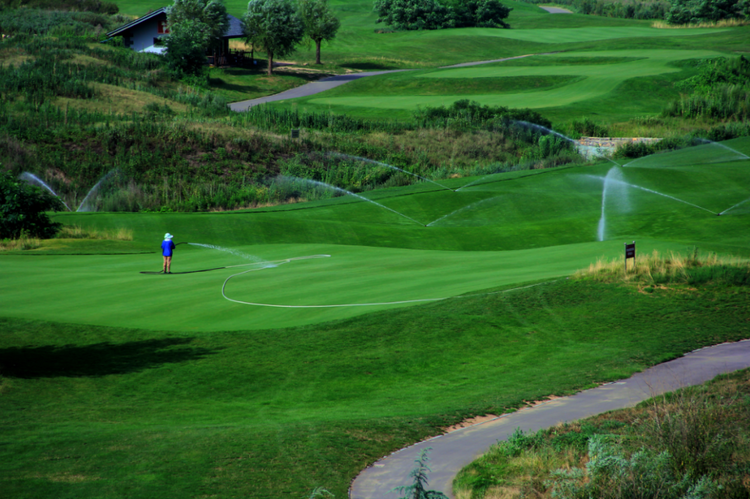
x: 718, y: 214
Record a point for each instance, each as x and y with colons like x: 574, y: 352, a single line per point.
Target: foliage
x: 432, y: 14
x: 656, y: 9
x: 55, y: 23
x: 719, y: 90
x: 701, y: 11
x: 418, y: 489
x: 722, y: 71
x: 414, y: 14
x: 195, y: 26
x: 23, y: 208
x: 589, y: 128
x: 479, y: 14
x: 465, y: 109
x: 186, y: 48
x: 644, y: 474
x: 273, y: 25
x: 685, y: 444
x: 96, y: 6
x: 319, y: 22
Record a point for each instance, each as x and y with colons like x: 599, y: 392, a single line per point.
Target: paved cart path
x: 330, y: 82
x: 556, y: 10
x: 453, y: 451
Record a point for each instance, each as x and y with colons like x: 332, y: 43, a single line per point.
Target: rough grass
x: 703, y: 429
x: 655, y: 268
x: 21, y: 243
x: 78, y: 232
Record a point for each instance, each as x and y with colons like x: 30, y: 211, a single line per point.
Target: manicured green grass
x: 205, y: 397
x: 109, y: 412
x: 497, y: 230
x: 409, y: 91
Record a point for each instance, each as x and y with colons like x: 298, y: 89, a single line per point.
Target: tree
x: 23, y: 207
x: 319, y: 22
x: 274, y: 26
x: 414, y: 14
x: 701, y: 11
x: 194, y: 26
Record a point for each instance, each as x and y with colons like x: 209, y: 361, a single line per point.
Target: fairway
x: 494, y: 232
x: 591, y: 81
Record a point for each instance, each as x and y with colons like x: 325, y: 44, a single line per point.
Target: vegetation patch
x: 689, y: 443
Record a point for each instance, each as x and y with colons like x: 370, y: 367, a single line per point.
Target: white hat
x: 168, y: 236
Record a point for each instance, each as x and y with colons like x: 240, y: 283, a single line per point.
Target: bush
x: 588, y: 128
x: 431, y: 14
x: 702, y: 11
x: 23, y: 207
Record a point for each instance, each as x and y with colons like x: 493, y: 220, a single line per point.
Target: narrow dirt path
x: 453, y: 451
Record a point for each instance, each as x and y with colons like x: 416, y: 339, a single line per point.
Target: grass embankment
x: 692, y: 440
x: 95, y: 411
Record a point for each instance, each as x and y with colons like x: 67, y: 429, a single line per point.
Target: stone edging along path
x: 453, y: 451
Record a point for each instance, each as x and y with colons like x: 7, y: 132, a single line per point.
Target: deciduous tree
x: 195, y: 26
x: 319, y: 22
x: 274, y: 26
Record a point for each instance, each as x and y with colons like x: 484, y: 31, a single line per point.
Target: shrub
x: 22, y: 209
x: 589, y: 128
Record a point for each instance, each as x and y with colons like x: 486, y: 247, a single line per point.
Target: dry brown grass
x: 77, y: 232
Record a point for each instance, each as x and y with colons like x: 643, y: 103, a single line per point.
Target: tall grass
x: 724, y: 23
x: 723, y: 102
x: 22, y: 243
x: 78, y: 232
x: 655, y: 268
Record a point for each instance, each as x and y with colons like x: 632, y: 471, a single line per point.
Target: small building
x: 144, y: 35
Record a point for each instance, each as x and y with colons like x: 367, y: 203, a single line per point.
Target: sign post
x: 629, y: 253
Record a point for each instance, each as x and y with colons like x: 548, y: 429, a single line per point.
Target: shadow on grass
x: 98, y: 359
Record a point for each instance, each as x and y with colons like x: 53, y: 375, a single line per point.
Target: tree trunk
x: 270, y: 63
x: 317, y: 52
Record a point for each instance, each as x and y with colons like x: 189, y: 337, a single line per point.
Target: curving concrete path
x: 330, y: 82
x: 556, y: 10
x: 308, y: 89
x: 453, y: 451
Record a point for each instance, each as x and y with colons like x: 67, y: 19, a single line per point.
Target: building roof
x: 235, y: 28
x: 235, y: 25
x: 126, y: 27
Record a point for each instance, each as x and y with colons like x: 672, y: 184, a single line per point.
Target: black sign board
x: 295, y: 133
x: 629, y: 253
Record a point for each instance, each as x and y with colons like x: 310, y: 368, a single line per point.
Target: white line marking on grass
x: 276, y: 263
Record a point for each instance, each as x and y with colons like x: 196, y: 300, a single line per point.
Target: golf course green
x: 493, y: 231
x: 294, y: 345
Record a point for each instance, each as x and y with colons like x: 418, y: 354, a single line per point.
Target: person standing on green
x: 167, y: 246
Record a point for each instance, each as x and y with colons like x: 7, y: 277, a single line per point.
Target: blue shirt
x: 166, y: 247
